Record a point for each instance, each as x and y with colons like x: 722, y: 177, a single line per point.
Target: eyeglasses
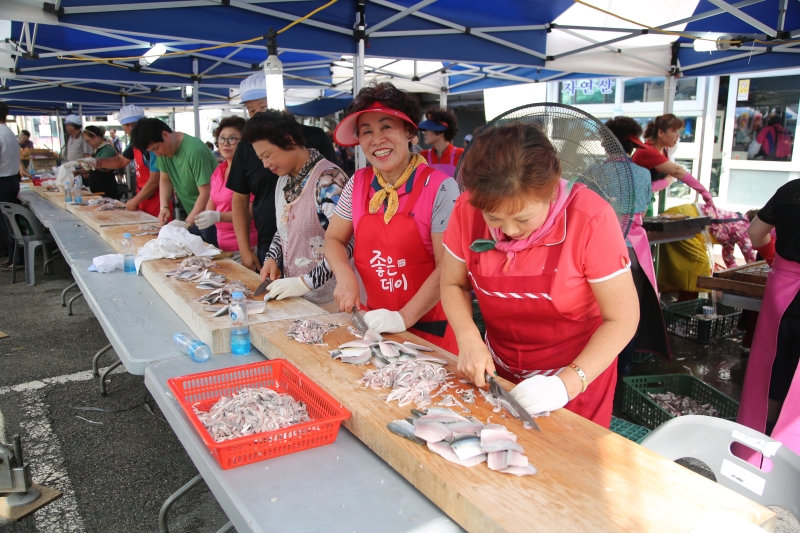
x: 228, y: 140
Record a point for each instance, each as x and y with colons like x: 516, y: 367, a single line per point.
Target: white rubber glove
x: 385, y: 321
x: 206, y: 219
x: 541, y: 394
x: 70, y: 164
x: 286, y: 288
x: 89, y: 163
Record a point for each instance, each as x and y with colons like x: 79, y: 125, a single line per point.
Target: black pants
x: 787, y: 355
x: 9, y: 189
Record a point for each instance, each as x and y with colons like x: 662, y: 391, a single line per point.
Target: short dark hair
x: 509, y: 165
x: 277, y: 127
x: 389, y: 96
x: 234, y: 122
x: 147, y: 131
x: 444, y: 117
x: 623, y: 128
x: 97, y: 131
x: 3, y: 111
x: 25, y: 132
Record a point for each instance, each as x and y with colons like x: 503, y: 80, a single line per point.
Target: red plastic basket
x: 277, y: 374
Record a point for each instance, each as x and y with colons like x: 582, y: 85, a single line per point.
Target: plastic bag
x: 64, y: 175
x: 107, y: 263
x: 754, y: 149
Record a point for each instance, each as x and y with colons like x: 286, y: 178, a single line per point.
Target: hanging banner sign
x: 588, y: 87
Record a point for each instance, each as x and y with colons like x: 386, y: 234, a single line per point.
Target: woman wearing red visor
x: 397, y: 210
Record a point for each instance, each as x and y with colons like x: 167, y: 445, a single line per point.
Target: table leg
x: 104, y: 349
x: 227, y: 528
x: 64, y: 293
x: 72, y: 300
x: 103, y: 391
x: 178, y: 494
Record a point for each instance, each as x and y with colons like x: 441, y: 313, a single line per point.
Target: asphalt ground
x: 116, y: 469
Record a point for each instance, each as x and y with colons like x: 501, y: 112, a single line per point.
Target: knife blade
x: 261, y: 289
x: 500, y: 393
x: 358, y: 320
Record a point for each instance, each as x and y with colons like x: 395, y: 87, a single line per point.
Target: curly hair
x: 237, y: 123
x: 662, y: 123
x: 623, y: 128
x: 509, y: 165
x: 277, y: 127
x: 446, y: 118
x: 390, y: 96
x: 147, y: 131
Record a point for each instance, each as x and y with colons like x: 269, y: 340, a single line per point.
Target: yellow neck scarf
x: 389, y: 192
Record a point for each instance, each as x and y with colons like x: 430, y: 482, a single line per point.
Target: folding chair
x: 28, y: 243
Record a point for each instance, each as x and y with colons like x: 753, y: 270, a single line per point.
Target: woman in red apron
x: 396, y: 211
x: 771, y: 392
x: 550, y: 268
x: 439, y: 129
x: 651, y: 335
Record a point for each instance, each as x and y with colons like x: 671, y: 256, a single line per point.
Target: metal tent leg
x: 227, y: 528
x: 104, y: 349
x: 72, y: 300
x: 103, y: 391
x: 64, y: 293
x: 178, y: 494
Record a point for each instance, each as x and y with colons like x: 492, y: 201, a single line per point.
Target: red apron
x: 150, y: 205
x: 527, y: 335
x: 449, y: 169
x: 783, y: 284
x: 393, y: 264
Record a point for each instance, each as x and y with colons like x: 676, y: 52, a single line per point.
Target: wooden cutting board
x: 113, y: 235
x: 97, y: 219
x: 589, y: 479
x: 215, y: 332
x: 57, y: 198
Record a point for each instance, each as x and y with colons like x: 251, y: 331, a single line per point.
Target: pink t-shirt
x: 222, y: 198
x: 594, y: 250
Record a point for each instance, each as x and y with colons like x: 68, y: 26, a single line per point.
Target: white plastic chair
x: 709, y: 440
x: 28, y: 243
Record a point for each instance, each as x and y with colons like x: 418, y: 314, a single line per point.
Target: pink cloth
x: 512, y: 246
x: 222, y: 198
x: 729, y: 234
x: 782, y: 286
x: 423, y: 209
x: 637, y: 236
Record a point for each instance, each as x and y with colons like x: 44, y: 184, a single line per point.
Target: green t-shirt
x: 190, y: 167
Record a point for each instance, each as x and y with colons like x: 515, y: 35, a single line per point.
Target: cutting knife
x: 261, y: 289
x: 499, y: 392
x: 358, y: 320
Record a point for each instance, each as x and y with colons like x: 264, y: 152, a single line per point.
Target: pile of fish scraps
x: 221, y: 293
x: 147, y: 229
x: 381, y: 352
x: 465, y: 441
x: 251, y: 411
x: 682, y: 405
x: 307, y: 331
x: 105, y: 204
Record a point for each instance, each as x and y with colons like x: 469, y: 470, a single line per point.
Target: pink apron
x: 637, y: 236
x: 782, y: 286
x: 449, y: 168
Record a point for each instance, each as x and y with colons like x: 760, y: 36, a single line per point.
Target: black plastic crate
x: 645, y: 411
x: 682, y: 320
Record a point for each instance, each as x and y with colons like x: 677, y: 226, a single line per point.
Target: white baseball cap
x: 130, y: 113
x: 73, y: 119
x: 253, y: 87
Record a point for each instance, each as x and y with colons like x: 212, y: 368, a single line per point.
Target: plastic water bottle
x: 128, y: 254
x: 197, y: 350
x: 77, y: 190
x: 67, y: 192
x: 240, y: 328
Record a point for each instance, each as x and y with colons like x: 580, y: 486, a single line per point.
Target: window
x: 593, y: 91
x: 677, y: 188
x: 687, y: 133
x: 766, y: 118
x: 652, y: 89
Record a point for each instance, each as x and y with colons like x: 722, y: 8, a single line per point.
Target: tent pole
x: 443, y: 97
x: 196, y: 99
x: 80, y: 113
x: 58, y: 130
x: 709, y: 126
x: 358, y: 70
